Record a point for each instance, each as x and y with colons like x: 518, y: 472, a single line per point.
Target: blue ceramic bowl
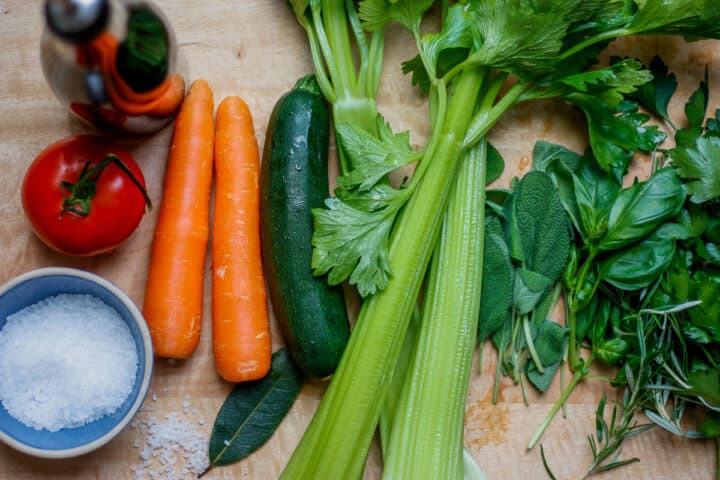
x: 36, y: 285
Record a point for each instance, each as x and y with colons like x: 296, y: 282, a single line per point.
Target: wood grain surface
x: 254, y: 49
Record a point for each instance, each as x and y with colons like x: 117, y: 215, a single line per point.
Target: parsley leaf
x: 696, y: 107
x: 610, y: 83
x: 656, y: 94
x: 420, y: 77
x: 374, y: 156
x: 699, y: 162
x: 616, y: 133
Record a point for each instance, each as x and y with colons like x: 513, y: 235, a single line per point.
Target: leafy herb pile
x: 643, y: 281
x: 486, y: 57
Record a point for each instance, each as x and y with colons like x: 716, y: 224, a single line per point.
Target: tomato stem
x: 82, y: 192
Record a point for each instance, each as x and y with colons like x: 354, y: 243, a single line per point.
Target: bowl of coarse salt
x: 76, y: 361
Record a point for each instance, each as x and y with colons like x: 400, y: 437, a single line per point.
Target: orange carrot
x: 241, y: 332
x: 174, y: 291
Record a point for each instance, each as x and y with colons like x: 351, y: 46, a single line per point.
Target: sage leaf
x: 497, y: 295
x: 642, y: 208
x: 253, y: 411
x: 542, y: 226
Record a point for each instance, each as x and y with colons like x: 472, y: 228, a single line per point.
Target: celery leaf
x: 352, y: 242
x: 420, y: 77
x: 524, y: 37
x: 694, y: 19
x: 375, y: 14
x: 450, y: 46
x: 373, y: 156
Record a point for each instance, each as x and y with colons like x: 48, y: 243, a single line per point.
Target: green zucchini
x: 293, y: 181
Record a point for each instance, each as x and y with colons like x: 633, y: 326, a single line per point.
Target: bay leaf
x: 253, y: 411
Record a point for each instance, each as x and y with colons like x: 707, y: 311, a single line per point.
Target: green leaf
x: 584, y: 318
x: 541, y: 381
x: 616, y: 135
x: 610, y: 84
x: 699, y: 163
x: 529, y: 289
x: 694, y: 19
x: 656, y: 95
x: 711, y: 426
x: 611, y: 351
x: 705, y: 384
x: 696, y: 107
x: 694, y: 218
x: 420, y: 77
x: 375, y: 14
x: 638, y: 266
x: 545, y: 153
x: 495, y: 165
x: 524, y: 37
x: 253, y: 411
x: 354, y: 243
x: 595, y: 193
x: 712, y: 126
x: 497, y: 292
x: 542, y: 225
x: 562, y: 178
x: 450, y: 46
x: 642, y: 208
x: 374, y: 156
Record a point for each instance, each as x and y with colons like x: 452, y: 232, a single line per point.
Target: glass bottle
x: 112, y: 63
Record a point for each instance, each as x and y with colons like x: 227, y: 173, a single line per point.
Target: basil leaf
x: 253, y: 411
x: 642, y: 208
x: 612, y: 351
x: 595, y: 193
x: 638, y: 266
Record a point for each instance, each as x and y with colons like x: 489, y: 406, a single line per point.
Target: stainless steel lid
x: 77, y: 20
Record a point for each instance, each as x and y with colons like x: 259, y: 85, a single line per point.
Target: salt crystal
x: 66, y: 360
x: 226, y: 442
x: 136, y: 443
x: 201, y: 421
x: 154, y: 397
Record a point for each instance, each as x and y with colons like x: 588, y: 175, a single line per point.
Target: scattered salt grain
x: 201, y: 421
x: 154, y: 397
x: 179, y: 450
x: 66, y: 360
x: 226, y: 442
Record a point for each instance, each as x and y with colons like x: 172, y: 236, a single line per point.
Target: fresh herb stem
x: 578, y: 376
x: 602, y: 37
x: 348, y: 414
x: 573, y: 306
x: 531, y: 344
x: 433, y: 399
x: 484, y: 120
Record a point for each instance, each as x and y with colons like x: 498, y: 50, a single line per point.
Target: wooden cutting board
x: 254, y: 49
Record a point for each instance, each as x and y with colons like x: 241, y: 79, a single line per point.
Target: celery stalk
x: 432, y: 404
x: 336, y: 442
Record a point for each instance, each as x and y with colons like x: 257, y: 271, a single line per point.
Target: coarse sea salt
x: 65, y: 361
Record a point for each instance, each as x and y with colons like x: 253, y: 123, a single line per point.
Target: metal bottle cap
x: 77, y: 20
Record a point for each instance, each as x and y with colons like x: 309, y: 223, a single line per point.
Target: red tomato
x: 78, y: 211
